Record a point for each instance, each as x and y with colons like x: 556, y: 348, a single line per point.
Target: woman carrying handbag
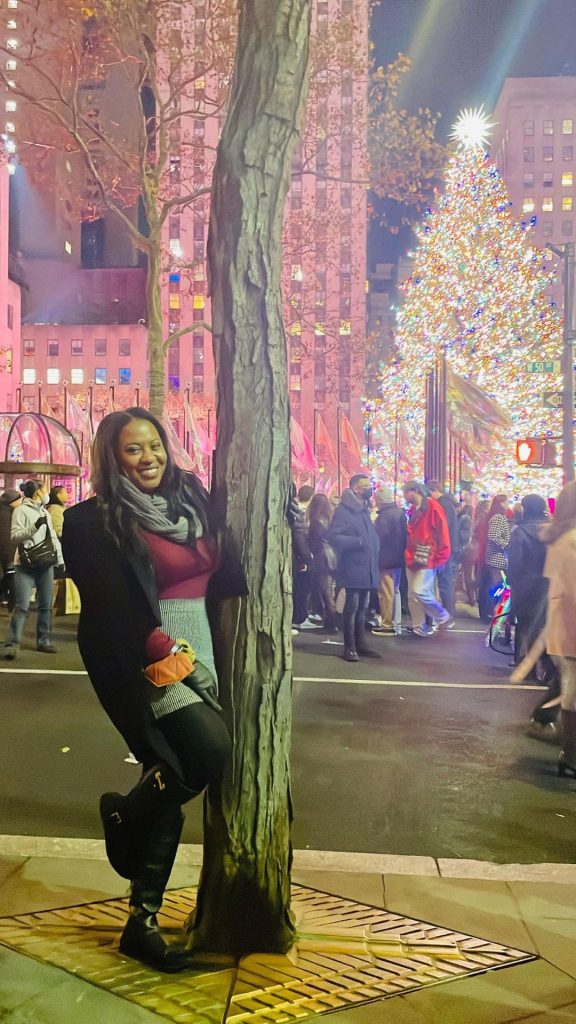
x: 37, y: 554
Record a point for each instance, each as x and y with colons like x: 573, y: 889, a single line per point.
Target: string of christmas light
x: 477, y: 291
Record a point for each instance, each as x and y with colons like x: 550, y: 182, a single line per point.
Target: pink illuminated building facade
x: 93, y: 335
x: 534, y: 147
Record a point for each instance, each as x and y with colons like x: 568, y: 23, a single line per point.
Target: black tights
x: 201, y: 742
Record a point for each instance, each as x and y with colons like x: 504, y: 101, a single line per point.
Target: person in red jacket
x: 427, y: 549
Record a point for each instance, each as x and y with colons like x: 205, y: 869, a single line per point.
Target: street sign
x: 543, y: 366
x: 552, y: 399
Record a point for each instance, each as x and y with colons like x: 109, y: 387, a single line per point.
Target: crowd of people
x: 151, y: 562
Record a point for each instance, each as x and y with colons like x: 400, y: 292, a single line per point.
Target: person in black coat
x: 353, y: 537
x: 148, y: 563
x: 391, y: 527
x: 446, y: 575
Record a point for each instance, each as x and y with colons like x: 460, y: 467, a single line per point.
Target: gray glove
x: 203, y: 683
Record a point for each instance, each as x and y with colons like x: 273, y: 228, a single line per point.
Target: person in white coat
x: 560, y: 633
x: 30, y: 525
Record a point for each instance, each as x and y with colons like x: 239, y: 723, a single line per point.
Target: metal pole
x: 314, y: 448
x: 65, y: 386
x: 137, y: 393
x: 566, y: 254
x: 91, y: 404
x: 19, y: 397
x: 209, y: 431
x: 568, y: 366
x: 339, y: 469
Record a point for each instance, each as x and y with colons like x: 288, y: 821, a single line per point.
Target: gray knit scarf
x: 150, y: 510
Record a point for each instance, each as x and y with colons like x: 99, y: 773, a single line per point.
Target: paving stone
x: 498, y: 997
x: 538, y: 900
x: 366, y: 888
x: 74, y: 1001
x: 389, y: 1011
x: 486, y: 909
x: 8, y: 865
x: 507, y: 872
x: 23, y: 978
x: 555, y: 940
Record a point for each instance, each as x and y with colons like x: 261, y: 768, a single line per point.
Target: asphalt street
x: 423, y: 752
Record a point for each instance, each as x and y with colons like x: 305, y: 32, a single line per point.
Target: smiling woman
x: 141, y: 454
x: 143, y: 555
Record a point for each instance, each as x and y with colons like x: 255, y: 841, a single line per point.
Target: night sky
x: 462, y: 50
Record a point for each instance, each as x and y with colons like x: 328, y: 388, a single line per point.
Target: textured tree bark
x: 155, y: 328
x: 244, y: 895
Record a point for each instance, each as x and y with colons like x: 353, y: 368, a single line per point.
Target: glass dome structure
x: 35, y: 444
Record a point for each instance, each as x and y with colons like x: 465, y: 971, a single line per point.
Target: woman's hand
x: 203, y: 683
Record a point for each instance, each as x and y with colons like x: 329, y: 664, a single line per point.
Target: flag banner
x: 179, y: 454
x: 197, y: 449
x: 323, y: 438
x: 348, y: 436
x: 475, y: 420
x: 302, y: 450
x: 77, y: 418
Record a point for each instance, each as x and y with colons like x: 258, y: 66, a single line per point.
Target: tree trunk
x: 244, y: 896
x: 155, y: 327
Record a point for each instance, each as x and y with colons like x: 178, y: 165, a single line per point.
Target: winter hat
x: 10, y: 495
x: 534, y: 507
x: 384, y: 495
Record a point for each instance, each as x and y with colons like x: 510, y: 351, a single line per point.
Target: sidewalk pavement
x: 516, y: 905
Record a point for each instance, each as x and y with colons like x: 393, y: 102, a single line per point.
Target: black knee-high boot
x: 142, y: 938
x: 125, y: 817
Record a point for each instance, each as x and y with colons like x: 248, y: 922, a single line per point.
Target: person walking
x: 560, y: 634
x: 9, y: 500
x: 465, y: 552
x: 528, y: 586
x: 323, y: 561
x: 427, y: 549
x: 479, y: 542
x: 148, y: 562
x: 497, y: 543
x: 31, y: 526
x: 301, y: 562
x: 391, y: 528
x: 446, y: 574
x: 357, y: 546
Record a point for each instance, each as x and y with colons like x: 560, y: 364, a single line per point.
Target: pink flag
x: 192, y: 428
x: 323, y: 438
x: 180, y: 456
x: 206, y: 443
x: 348, y: 436
x: 77, y: 418
x: 302, y: 450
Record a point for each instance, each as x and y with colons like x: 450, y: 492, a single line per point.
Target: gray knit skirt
x: 183, y: 619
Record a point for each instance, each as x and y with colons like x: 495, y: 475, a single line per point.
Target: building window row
x: 567, y: 228
x: 565, y: 126
x: 566, y: 179
x: 567, y: 153
x: 77, y: 376
x: 547, y: 205
x: 53, y: 347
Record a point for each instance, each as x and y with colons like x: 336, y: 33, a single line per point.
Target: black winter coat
x: 449, y: 509
x: 353, y: 537
x: 392, y: 529
x: 526, y: 557
x: 7, y: 545
x: 119, y: 610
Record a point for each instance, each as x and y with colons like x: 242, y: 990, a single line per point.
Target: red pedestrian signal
x: 534, y: 451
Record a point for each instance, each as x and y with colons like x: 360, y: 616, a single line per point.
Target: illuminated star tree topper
x: 472, y: 129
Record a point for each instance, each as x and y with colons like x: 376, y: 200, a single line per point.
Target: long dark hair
x: 319, y: 508
x: 497, y: 508
x: 178, y: 487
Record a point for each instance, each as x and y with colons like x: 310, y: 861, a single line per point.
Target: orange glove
x: 171, y: 669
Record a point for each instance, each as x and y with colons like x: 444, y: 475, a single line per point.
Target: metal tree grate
x: 347, y: 954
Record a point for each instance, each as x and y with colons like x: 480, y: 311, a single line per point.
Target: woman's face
x: 141, y: 456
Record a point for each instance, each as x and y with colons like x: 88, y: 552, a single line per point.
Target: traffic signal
x: 534, y: 451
